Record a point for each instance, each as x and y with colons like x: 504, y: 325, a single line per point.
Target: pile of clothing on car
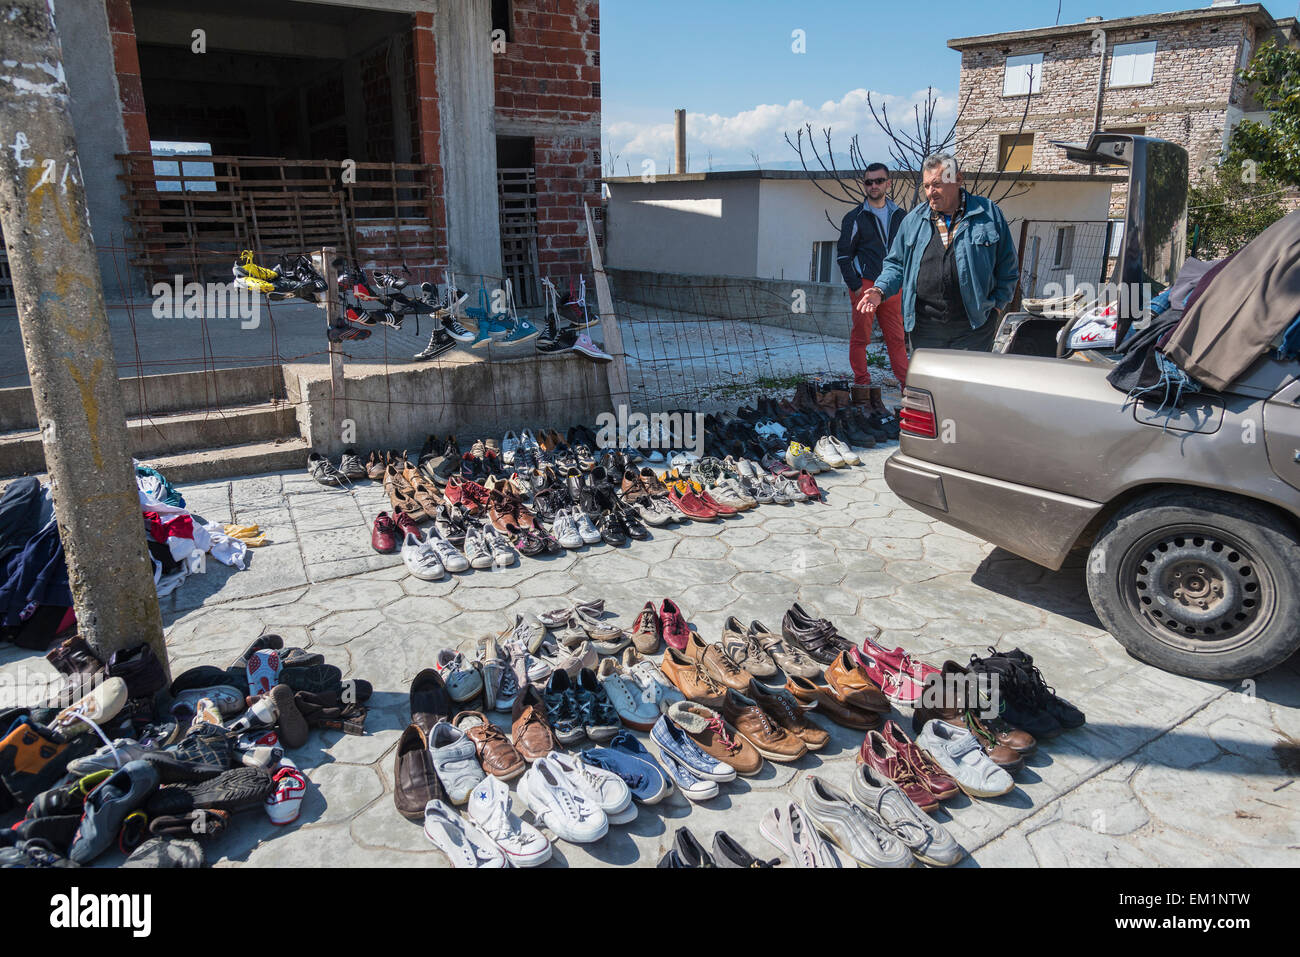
x: 1217, y: 320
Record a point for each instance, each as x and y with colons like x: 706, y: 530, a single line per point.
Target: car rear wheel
x: 1199, y: 583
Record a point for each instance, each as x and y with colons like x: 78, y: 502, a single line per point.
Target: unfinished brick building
x: 417, y: 133
x: 1170, y: 75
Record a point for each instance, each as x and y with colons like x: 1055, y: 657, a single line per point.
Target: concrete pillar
x: 468, y: 145
x: 69, y: 349
x: 679, y: 130
x: 101, y: 132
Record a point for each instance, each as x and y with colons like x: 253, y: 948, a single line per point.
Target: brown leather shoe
x: 530, y: 732
x: 768, y: 738
x: 887, y: 763
x: 645, y: 633
x: 692, y: 679
x: 414, y: 778
x: 931, y: 776
x: 853, y: 686
x: 706, y: 728
x: 495, y: 752
x: 711, y: 658
x: 810, y: 695
x: 782, y: 708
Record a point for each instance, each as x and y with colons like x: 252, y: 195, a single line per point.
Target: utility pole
x: 65, y: 333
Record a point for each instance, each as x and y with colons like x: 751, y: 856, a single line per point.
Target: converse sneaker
x: 452, y: 328
x: 440, y: 342
x: 554, y: 803
x: 489, y: 807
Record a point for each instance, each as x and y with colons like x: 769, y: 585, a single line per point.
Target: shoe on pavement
x: 929, y: 842
x: 489, y: 809
x: 607, y: 790
x: 958, y: 752
x: 455, y: 760
x: 464, y: 843
x: 554, y: 803
x: 852, y: 830
x: 464, y: 683
x: 686, y: 851
x: 788, y: 829
x: 107, y: 807
x: 628, y: 758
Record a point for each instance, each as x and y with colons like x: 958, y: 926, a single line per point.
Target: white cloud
x: 762, y: 129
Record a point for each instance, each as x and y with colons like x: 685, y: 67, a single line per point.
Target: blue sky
x: 730, y: 64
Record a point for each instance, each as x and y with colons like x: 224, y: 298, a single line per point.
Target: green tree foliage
x: 1226, y: 210
x: 1274, y: 74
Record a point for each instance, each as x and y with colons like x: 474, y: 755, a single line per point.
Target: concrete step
x: 250, y: 458
x: 21, y: 452
x: 165, y: 394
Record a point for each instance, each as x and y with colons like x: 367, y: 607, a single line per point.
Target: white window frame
x: 821, y: 255
x: 1132, y: 64
x: 1022, y: 74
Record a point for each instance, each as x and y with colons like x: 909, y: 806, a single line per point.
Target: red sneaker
x: 887, y: 763
x: 928, y: 773
x: 676, y: 632
x: 406, y: 524
x: 383, y: 537
x: 712, y: 503
x: 808, y: 486
x: 904, y: 676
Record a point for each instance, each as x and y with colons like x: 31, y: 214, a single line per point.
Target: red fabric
x: 176, y: 526
x: 889, y: 316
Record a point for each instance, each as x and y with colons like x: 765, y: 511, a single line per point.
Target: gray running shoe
x: 885, y: 801
x: 789, y: 829
x: 850, y: 828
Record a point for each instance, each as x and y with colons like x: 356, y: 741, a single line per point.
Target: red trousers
x: 889, y: 316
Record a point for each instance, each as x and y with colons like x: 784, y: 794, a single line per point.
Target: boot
x: 805, y: 399
x: 861, y: 395
x: 878, y: 403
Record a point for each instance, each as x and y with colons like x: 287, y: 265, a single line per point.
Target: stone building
x: 1170, y: 75
x: 418, y: 133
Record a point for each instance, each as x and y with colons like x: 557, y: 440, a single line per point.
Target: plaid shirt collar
x: 947, y: 229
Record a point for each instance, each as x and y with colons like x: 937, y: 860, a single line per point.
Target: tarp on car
x: 1252, y: 301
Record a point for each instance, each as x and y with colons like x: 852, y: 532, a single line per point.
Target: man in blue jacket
x: 953, y: 261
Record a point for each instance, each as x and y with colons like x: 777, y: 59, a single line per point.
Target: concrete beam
x: 467, y: 141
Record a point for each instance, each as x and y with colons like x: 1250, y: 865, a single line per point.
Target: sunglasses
x: 877, y: 182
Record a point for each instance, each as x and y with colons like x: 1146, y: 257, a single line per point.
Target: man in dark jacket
x: 865, y: 236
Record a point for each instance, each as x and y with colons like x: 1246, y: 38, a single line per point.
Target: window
x: 196, y: 177
x: 1132, y: 64
x: 1245, y: 54
x: 1024, y: 74
x: 501, y: 18
x: 1064, y: 250
x: 1015, y: 152
x: 1116, y: 238
x: 823, y: 261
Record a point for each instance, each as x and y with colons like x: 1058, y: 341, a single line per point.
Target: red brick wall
x: 550, y: 73
x: 126, y: 60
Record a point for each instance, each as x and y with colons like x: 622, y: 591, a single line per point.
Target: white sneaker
x: 509, y: 446
x: 959, y: 753
x: 565, y: 530
x: 455, y: 758
x: 586, y: 527
x: 606, y: 789
x: 489, y: 808
x: 476, y: 550
x: 421, y: 559
x: 529, y: 442
x: 635, y: 707
x: 555, y: 804
x: 528, y: 668
x: 847, y: 454
x: 654, y: 512
x: 447, y: 553
x: 463, y: 842
x: 826, y: 451
x: 502, y: 554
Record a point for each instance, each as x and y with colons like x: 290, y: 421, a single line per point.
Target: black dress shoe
x: 430, y: 700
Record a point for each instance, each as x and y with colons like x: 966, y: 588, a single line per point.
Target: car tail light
x: 917, y: 417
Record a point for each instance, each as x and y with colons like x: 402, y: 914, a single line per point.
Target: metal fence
x: 1065, y: 253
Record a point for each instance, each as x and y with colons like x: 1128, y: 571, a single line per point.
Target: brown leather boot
x: 878, y: 404
x: 952, y: 699
x: 861, y: 395
x: 805, y: 400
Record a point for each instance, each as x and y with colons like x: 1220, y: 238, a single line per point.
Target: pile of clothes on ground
x: 35, y: 599
x: 119, y: 759
x: 1217, y: 320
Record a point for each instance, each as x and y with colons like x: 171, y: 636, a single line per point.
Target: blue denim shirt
x: 987, y: 268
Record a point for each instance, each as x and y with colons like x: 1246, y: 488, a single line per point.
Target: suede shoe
x: 711, y: 658
x: 692, y: 679
x: 711, y: 735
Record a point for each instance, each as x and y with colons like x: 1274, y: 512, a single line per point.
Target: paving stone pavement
x: 1168, y: 770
